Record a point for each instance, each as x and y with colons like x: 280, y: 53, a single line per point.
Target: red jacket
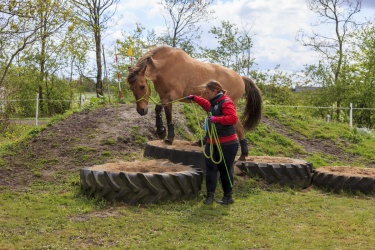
x: 229, y: 116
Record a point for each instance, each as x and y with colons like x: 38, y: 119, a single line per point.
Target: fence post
x: 351, y: 115
x: 37, y: 109
x: 82, y: 100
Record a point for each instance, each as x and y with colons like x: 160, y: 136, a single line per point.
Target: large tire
x: 335, y: 179
x: 284, y: 171
x: 180, y: 152
x: 141, y: 188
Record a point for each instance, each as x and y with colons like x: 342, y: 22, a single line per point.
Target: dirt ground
x: 111, y: 134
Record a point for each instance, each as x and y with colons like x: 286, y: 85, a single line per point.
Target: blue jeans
x: 225, y: 168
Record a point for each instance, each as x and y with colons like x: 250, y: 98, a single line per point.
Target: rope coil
x: 213, y: 136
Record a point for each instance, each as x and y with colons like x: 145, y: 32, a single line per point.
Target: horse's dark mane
x: 143, y: 61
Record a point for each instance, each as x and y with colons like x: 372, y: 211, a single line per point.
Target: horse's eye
x: 142, y: 87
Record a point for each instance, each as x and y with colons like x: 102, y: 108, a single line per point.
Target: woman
x: 222, y: 113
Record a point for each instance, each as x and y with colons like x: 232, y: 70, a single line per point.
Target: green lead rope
x: 212, y: 135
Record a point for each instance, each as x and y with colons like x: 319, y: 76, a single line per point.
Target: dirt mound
x: 310, y: 145
x: 87, y: 138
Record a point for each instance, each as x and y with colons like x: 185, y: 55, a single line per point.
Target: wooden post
x: 106, y: 76
x: 351, y: 115
x: 37, y: 109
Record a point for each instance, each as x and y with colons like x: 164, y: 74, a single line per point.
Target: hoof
x: 168, y: 141
x: 161, y: 132
x: 199, y: 143
x: 242, y: 158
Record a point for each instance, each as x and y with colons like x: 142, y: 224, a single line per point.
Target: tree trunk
x: 98, y: 50
x: 42, y: 63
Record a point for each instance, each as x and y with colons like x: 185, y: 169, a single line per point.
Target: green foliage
x: 96, y: 102
x: 362, y: 76
x: 276, y: 87
x: 23, y: 88
x: 233, y: 50
x: 347, y: 77
x: 129, y: 50
x: 182, y: 19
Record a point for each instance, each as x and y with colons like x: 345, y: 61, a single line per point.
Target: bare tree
x: 181, y: 19
x: 94, y: 15
x: 18, y: 29
x: 338, y: 14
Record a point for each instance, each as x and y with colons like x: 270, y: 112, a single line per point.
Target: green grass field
x: 46, y: 216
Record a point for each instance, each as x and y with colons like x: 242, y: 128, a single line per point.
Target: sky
x: 274, y: 26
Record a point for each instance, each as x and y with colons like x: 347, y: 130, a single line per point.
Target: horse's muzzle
x: 142, y: 111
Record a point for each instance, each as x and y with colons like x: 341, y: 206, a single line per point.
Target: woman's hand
x: 212, y: 118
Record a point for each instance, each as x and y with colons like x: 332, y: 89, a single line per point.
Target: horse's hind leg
x: 160, y: 129
x: 243, y: 143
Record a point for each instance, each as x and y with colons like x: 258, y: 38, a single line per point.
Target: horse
x: 175, y: 75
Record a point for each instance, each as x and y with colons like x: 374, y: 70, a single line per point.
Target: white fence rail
x: 350, y: 108
x: 82, y: 100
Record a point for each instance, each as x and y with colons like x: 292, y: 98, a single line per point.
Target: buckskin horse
x: 175, y: 74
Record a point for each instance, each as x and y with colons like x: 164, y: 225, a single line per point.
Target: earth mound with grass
x: 107, y: 134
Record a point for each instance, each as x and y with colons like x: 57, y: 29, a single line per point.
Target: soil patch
x: 112, y: 133
x: 309, y: 145
x: 348, y: 171
x: 151, y: 166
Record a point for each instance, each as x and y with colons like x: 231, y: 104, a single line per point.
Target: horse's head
x: 140, y: 88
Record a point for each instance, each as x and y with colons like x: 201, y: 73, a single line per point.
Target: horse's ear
x: 143, y: 71
x: 130, y: 69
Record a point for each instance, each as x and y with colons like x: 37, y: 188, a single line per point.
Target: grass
x: 261, y: 218
x: 56, y: 215
x: 349, y: 140
x: 261, y: 139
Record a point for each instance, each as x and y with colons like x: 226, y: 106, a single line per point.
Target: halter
x: 150, y: 97
x: 143, y: 97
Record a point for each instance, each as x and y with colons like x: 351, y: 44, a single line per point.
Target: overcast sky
x: 275, y: 24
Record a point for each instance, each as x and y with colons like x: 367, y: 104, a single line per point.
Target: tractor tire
x: 141, y: 188
x: 335, y: 179
x: 181, y: 152
x: 284, y: 171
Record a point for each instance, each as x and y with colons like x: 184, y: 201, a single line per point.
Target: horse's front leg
x: 168, y: 115
x: 160, y: 129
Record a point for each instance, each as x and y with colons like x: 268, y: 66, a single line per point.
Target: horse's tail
x: 253, y: 107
